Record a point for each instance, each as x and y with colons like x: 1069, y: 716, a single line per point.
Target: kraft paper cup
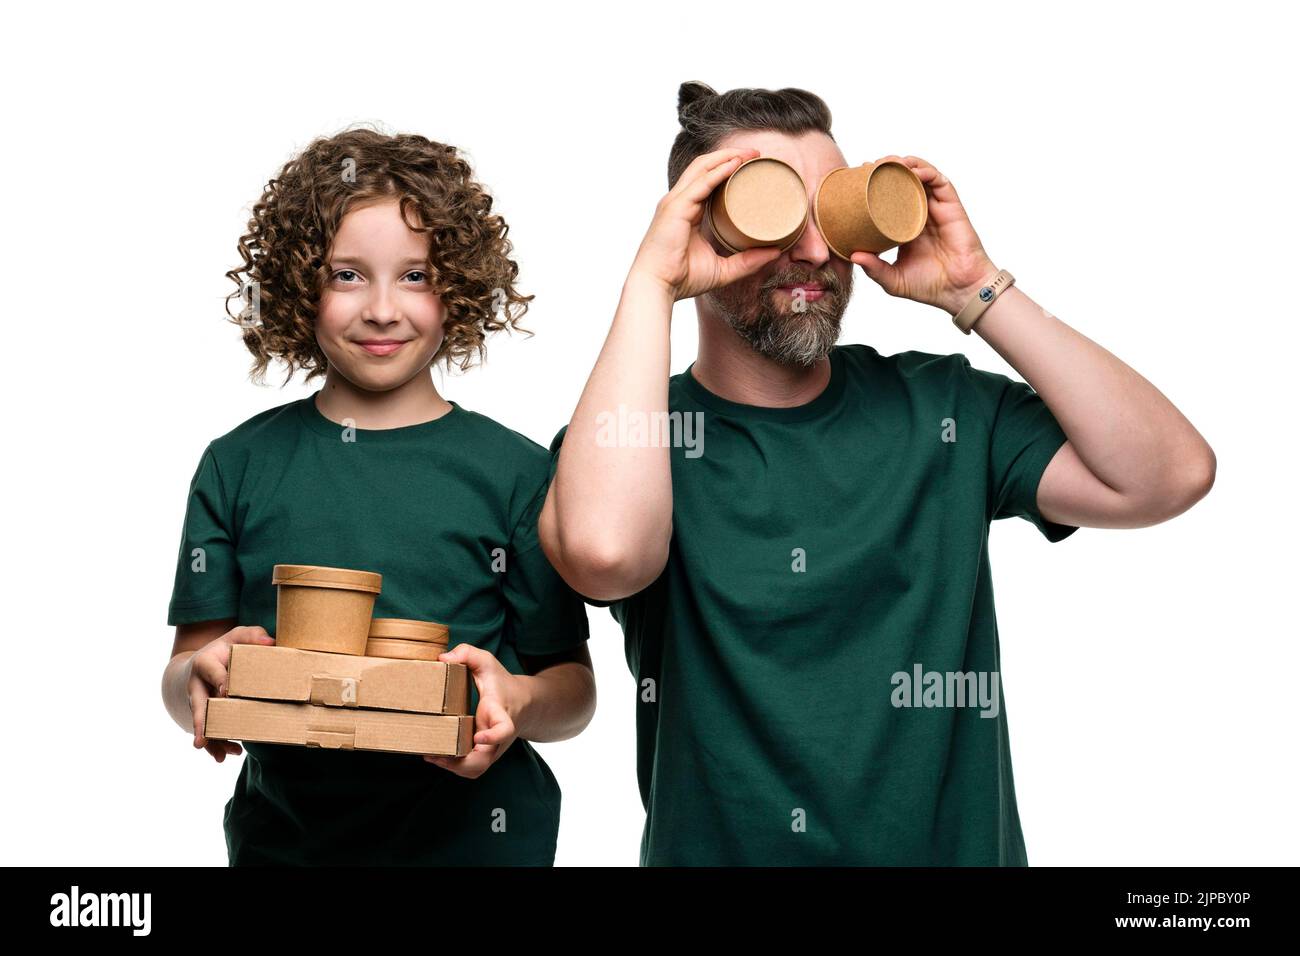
x: 324, y: 609
x: 763, y: 203
x: 404, y: 650
x: 870, y: 208
x: 395, y: 628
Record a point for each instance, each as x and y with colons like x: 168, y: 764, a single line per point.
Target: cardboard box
x: 336, y: 728
x: 266, y: 672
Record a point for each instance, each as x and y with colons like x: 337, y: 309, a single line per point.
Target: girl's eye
x: 349, y: 275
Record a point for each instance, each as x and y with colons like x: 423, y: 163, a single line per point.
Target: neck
x: 412, y: 403
x: 728, y: 367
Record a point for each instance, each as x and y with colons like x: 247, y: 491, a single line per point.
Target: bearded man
x: 807, y: 601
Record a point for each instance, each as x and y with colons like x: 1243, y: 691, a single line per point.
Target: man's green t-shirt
x: 447, y: 512
x: 818, y: 553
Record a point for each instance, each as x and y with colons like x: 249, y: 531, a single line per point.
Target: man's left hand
x: 946, y: 264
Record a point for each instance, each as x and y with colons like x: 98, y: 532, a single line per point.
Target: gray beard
x: 800, y: 339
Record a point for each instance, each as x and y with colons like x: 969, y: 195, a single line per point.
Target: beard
x: 780, y: 325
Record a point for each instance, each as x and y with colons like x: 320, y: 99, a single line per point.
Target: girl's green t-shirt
x: 825, y: 561
x: 447, y: 512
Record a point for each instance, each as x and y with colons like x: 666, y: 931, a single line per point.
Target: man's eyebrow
x: 360, y: 261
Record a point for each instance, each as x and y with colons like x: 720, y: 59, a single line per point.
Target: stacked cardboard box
x: 316, y: 698
x: 288, y: 696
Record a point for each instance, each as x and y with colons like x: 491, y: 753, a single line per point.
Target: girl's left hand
x: 946, y: 264
x: 499, y: 698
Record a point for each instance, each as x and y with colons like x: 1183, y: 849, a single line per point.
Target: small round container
x: 407, y: 640
x: 324, y: 609
x: 870, y: 208
x: 763, y: 203
x: 404, y: 650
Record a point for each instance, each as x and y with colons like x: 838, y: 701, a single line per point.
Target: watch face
x: 986, y: 293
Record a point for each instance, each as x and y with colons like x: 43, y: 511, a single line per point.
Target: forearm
x: 175, y: 690
x: 610, y: 506
x: 556, y: 703
x: 1129, y: 435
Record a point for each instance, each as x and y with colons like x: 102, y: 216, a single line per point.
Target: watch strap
x: 981, y: 300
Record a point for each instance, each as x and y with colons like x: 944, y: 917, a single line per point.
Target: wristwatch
x: 966, y: 318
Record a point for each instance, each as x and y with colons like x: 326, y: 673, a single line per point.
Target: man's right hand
x: 208, y: 674
x: 674, y: 253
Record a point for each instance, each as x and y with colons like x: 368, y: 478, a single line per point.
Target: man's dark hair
x: 707, y: 116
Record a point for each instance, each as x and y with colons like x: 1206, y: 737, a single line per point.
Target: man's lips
x: 811, y: 290
x: 381, y: 346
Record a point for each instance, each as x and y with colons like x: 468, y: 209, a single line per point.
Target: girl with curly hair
x: 369, y: 259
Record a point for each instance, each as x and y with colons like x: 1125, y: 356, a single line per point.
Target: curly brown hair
x: 294, y: 223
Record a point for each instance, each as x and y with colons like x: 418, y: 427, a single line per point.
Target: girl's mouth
x: 382, y: 346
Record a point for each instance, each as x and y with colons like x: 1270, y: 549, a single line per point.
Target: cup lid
x: 404, y: 650
x: 310, y: 575
x: 408, y: 630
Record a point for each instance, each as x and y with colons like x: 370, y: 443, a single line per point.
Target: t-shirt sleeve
x: 543, y: 614
x: 1024, y: 437
x: 207, y: 575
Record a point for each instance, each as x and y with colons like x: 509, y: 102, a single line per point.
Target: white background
x: 1132, y: 164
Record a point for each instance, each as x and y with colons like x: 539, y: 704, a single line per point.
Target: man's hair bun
x: 689, y: 92
x: 706, y: 117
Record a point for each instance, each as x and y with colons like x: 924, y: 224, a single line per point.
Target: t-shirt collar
x: 313, y: 419
x: 823, y: 403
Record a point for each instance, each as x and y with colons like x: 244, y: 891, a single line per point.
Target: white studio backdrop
x: 1132, y: 164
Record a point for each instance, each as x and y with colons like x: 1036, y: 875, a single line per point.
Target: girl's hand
x: 946, y: 264
x: 500, y: 698
x: 209, y: 672
x: 674, y: 254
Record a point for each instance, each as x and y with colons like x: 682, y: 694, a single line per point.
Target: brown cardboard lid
x: 766, y: 200
x: 404, y: 650
x: 896, y: 201
x: 407, y: 630
x: 310, y: 575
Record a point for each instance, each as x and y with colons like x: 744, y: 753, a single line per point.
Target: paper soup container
x: 404, y: 650
x: 407, y: 640
x: 396, y: 628
x: 763, y: 203
x: 870, y: 208
x: 324, y: 609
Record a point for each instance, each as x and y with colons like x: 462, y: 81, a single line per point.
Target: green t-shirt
x: 447, y: 512
x: 817, y: 552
